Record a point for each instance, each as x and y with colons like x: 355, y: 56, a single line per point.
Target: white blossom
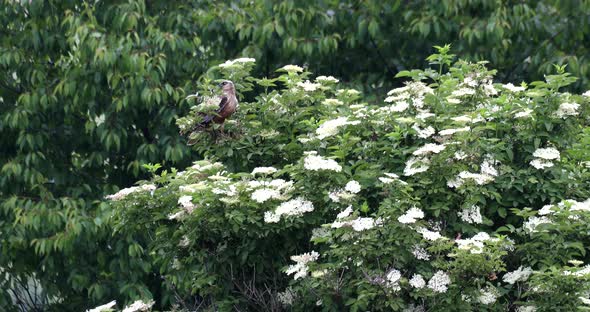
x: 186, y: 202
x: 292, y: 68
x: 361, y: 224
x: 531, y: 224
x: 549, y: 153
x: 453, y: 131
x: 309, y: 86
x: 287, y: 297
x: 177, y: 215
x: 300, y: 268
x: 541, y: 164
x: 488, y: 296
x: 519, y: 275
x: 510, y: 87
x: 316, y: 163
x: 264, y: 170
x: 139, y: 306
x: 264, y: 194
x: 345, y: 213
x: 474, y: 244
x: 294, y: 207
x: 330, y: 128
x: 393, y: 277
x: 471, y: 215
x: 567, y: 109
x: 429, y: 148
x: 439, y: 282
x: 104, y: 307
x: 586, y: 94
x: 526, y: 309
x: 428, y: 234
x: 130, y: 190
x: 585, y: 301
x: 420, y: 253
x: 545, y: 210
x: 271, y: 217
x: 242, y: 60
x: 411, y: 216
x: 416, y: 165
x: 329, y: 79
x: 417, y: 281
x: 353, y: 187
x: 452, y: 100
x: 424, y: 133
x: 463, y: 92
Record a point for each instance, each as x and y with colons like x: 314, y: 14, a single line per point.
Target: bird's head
x: 227, y: 86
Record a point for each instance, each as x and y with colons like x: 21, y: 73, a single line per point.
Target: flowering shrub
x: 455, y: 194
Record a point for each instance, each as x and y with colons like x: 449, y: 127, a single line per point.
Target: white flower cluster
x: 393, y: 277
x: 488, y: 295
x: 567, y: 109
x: 287, y: 297
x: 237, y: 62
x: 138, y: 306
x: 265, y: 190
x: 263, y: 194
x: 359, y: 224
x: 424, y: 133
x: 415, y: 90
x: 390, y: 178
x: 105, y: 307
x: 309, y: 86
x: 448, y: 132
x: 474, y: 244
x: 316, y: 163
x: 428, y: 149
x: 512, y: 88
x: 294, y: 207
x: 326, y: 79
x: 471, y: 215
x: 264, y: 170
x: 572, y: 204
x: 428, y: 234
x: 300, y: 268
x: 417, y: 281
x: 439, y: 282
x: 351, y: 188
x: 420, y: 253
x: 526, y: 309
x: 519, y: 275
x: 416, y: 165
x: 530, y: 226
x: 330, y: 128
x: 134, y: 189
x: 544, y: 156
x: 487, y: 175
x: 292, y: 68
x: 411, y: 216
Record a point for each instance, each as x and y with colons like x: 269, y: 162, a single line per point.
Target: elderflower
x: 139, y: 306
x: 471, y: 215
x: 417, y: 281
x: 264, y: 194
x: 512, y: 88
x: 453, y: 131
x: 316, y: 163
x: 130, y: 190
x: 429, y: 148
x: 416, y: 165
x: 393, y: 278
x: 292, y: 68
x: 420, y: 253
x: 488, y: 295
x: 424, y: 133
x: 541, y: 164
x: 264, y: 170
x: 300, y: 268
x: 531, y: 224
x: 353, y: 187
x: 105, y: 307
x: 345, y: 213
x: 309, y: 86
x: 439, y: 282
x: 326, y: 79
x: 524, y: 114
x: 330, y: 128
x: 549, y: 153
x: 293, y: 207
x: 519, y: 275
x: 567, y: 109
x: 428, y: 234
x: 287, y: 297
x: 411, y: 216
x: 332, y: 102
x: 186, y: 203
x: 239, y: 61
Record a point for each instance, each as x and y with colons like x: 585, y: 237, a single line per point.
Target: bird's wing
x: 222, y: 103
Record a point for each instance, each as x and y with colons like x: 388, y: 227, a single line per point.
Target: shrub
x: 457, y: 194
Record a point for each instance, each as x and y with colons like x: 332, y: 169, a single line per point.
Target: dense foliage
x: 89, y: 92
x: 458, y: 194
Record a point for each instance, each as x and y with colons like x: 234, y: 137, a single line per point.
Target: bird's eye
x: 224, y: 83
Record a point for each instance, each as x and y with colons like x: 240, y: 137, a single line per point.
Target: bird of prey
x: 228, y: 104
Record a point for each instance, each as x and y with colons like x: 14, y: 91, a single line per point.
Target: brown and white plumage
x: 228, y: 103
